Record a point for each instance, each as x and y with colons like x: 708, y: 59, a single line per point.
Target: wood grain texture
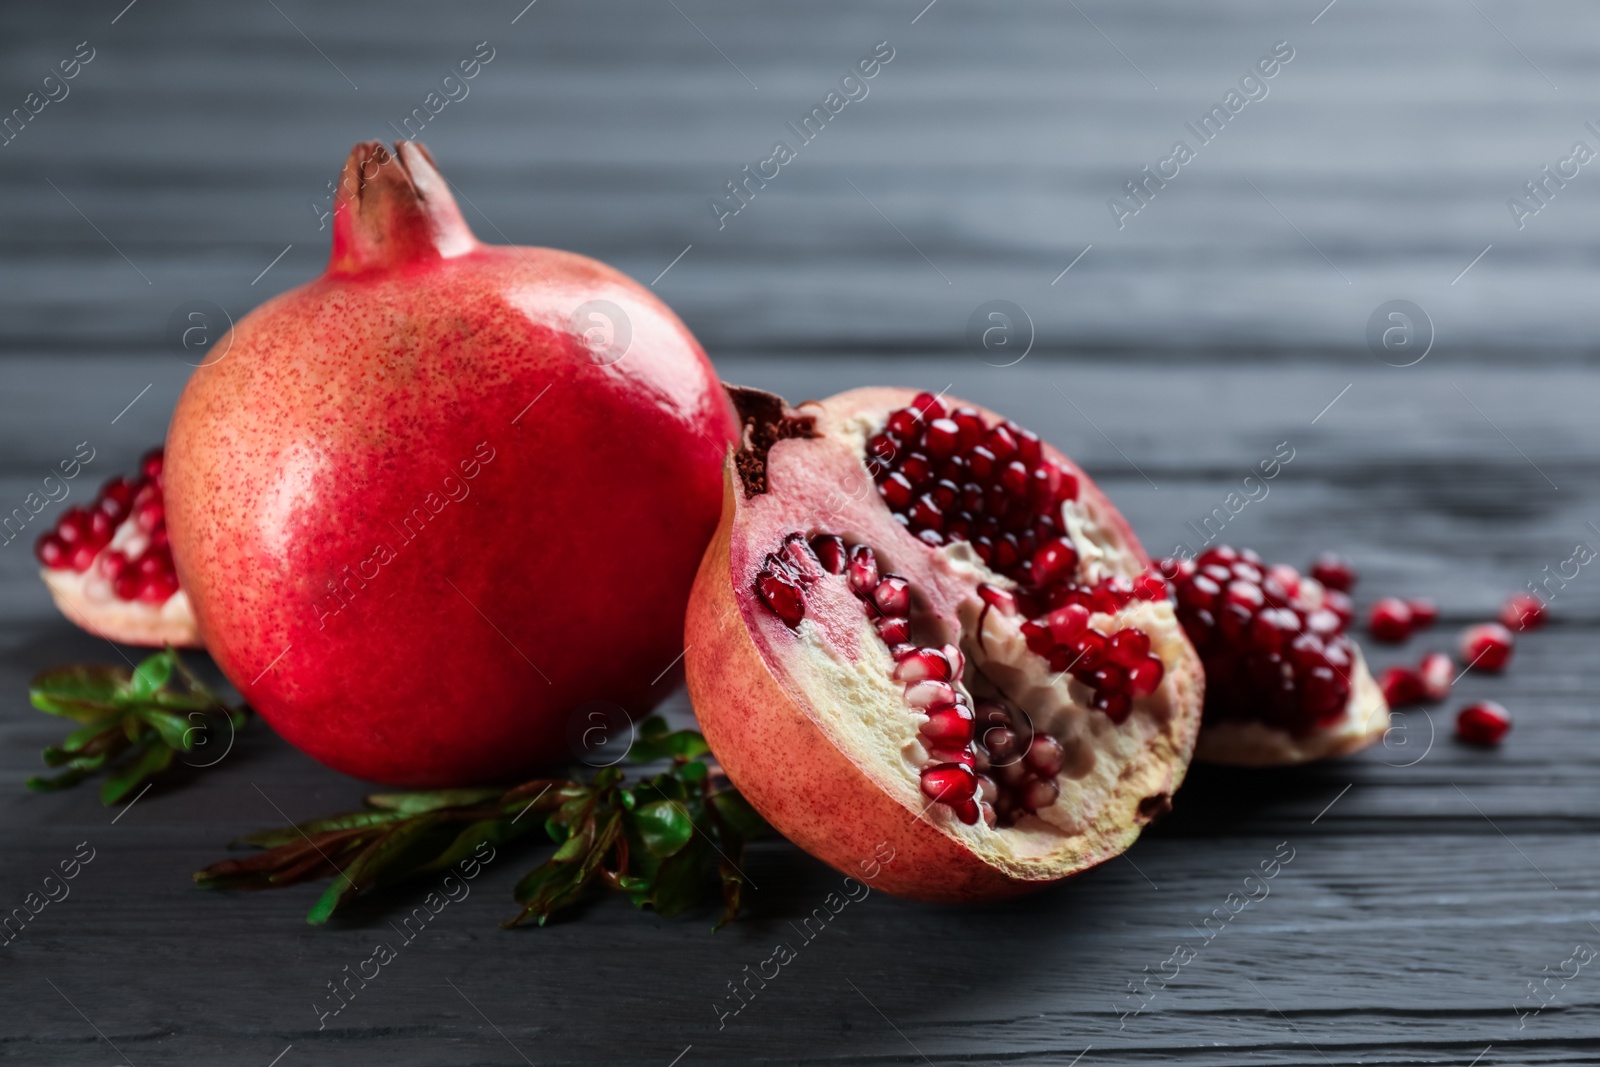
x: 1174, y: 355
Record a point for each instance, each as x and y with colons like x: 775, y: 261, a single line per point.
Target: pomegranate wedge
x: 920, y: 625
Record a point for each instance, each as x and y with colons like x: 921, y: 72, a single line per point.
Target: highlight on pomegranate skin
x: 109, y: 565
x: 920, y: 623
x: 1285, y: 682
x: 411, y: 501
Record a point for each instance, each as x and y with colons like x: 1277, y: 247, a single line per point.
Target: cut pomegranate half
x: 919, y: 624
x: 1284, y: 681
x: 109, y: 567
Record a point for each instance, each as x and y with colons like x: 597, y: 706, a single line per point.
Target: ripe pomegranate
x: 1284, y: 681
x: 921, y: 624
x: 420, y: 514
x: 109, y: 567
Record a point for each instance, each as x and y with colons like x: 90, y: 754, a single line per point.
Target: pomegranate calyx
x: 393, y: 208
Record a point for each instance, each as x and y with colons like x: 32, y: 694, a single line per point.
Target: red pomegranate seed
x: 1040, y: 794
x: 894, y: 630
x: 113, y: 564
x: 1115, y: 704
x: 1437, y: 674
x: 923, y: 663
x: 1484, y: 723
x: 893, y: 595
x: 950, y: 726
x: 897, y: 490
x: 1341, y: 605
x: 930, y: 694
x: 862, y: 570
x: 1334, y: 572
x: 1424, y: 613
x: 1486, y: 647
x: 782, y: 594
x: 1402, y: 687
x: 1523, y: 611
x: 830, y: 552
x: 904, y: 424
x: 1068, y: 623
x: 1029, y: 449
x: 1014, y: 478
x: 949, y: 783
x: 1002, y: 444
x: 917, y: 468
x: 1246, y: 594
x: 1054, y: 561
x: 150, y: 515
x: 996, y: 597
x: 1045, y: 756
x: 157, y: 588
x: 1273, y: 628
x: 928, y: 406
x: 1128, y: 647
x: 51, y: 551
x: 926, y: 514
x: 1390, y: 620
x: 941, y: 438
x: 83, y: 557
x: 1223, y: 554
x: 1145, y: 676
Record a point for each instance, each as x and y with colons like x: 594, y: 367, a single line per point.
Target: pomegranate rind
x: 127, y: 622
x: 1253, y: 744
x: 808, y: 756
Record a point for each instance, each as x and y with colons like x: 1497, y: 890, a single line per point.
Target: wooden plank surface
x: 1429, y: 882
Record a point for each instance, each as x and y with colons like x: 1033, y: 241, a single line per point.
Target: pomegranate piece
x: 1486, y: 647
x: 1424, y: 613
x: 432, y: 503
x: 1484, y: 723
x: 1001, y: 691
x: 1390, y: 620
x: 1284, y: 681
x: 1523, y: 611
x: 109, y: 567
x: 1334, y: 572
x: 1437, y: 674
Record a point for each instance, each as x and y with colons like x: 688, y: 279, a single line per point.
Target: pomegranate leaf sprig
x: 133, y: 723
x: 669, y: 841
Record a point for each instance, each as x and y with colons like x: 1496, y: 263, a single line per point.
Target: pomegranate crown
x: 394, y: 208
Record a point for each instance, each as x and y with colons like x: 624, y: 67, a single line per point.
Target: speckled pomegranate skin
x: 410, y: 572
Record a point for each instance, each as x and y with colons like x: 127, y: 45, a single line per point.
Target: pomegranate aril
x: 1424, y: 613
x: 1002, y: 743
x: 941, y: 438
x: 150, y: 515
x: 896, y: 490
x: 1029, y: 449
x: 1068, y: 623
x: 894, y: 630
x: 782, y: 594
x: 949, y: 783
x: 1150, y: 586
x: 82, y: 557
x: 970, y: 429
x: 1145, y: 676
x: 930, y: 694
x: 126, y: 585
x: 883, y: 447
x: 1001, y: 444
x: 862, y: 570
x: 1523, y: 611
x: 1128, y: 647
x: 1056, y: 560
x: 1045, y: 756
x: 1334, y: 572
x: 1390, y: 620
x: 1199, y: 592
x: 112, y: 564
x: 1486, y: 647
x: 1109, y: 676
x: 1402, y: 687
x: 917, y: 468
x: 928, y: 407
x: 1484, y: 723
x: 892, y: 595
x: 1437, y: 673
x: 1341, y: 605
x: 923, y: 663
x: 1014, y: 478
x: 904, y: 424
x: 51, y: 551
x: 950, y: 726
x: 157, y: 588
x: 73, y: 526
x: 1273, y: 628
x: 831, y: 552
x: 1116, y: 705
x: 926, y: 513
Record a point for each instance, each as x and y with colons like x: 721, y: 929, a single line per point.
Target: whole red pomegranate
x: 422, y: 509
x: 921, y: 625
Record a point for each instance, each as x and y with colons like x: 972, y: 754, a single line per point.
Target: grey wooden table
x: 1430, y: 883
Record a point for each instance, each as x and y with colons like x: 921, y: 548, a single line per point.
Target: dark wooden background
x: 1222, y: 320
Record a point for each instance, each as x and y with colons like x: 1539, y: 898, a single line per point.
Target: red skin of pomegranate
x: 413, y: 574
x: 784, y: 748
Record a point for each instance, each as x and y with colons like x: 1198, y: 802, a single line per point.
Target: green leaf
x: 369, y: 868
x: 150, y: 762
x: 732, y: 893
x: 83, y: 691
x: 684, y: 744
x: 432, y: 800
x: 150, y: 676
x: 739, y: 816
x: 664, y: 826
x: 290, y: 834
x: 683, y: 878
x: 174, y: 729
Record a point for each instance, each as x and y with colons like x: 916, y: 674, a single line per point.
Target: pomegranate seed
x: 996, y: 597
x: 1040, y: 794
x: 83, y: 557
x: 1014, y: 478
x: 1038, y: 637
x: 862, y: 570
x: 157, y: 588
x: 1341, y: 605
x: 1054, y: 561
x: 1246, y: 594
x: 971, y: 428
x: 1029, y: 449
x: 1483, y: 723
x: 904, y: 424
x: 1437, y: 674
x: 1424, y: 613
x: 930, y: 694
x: 894, y: 630
x: 1002, y: 444
x: 893, y: 595
x: 782, y: 594
x: 1045, y: 756
x: 830, y: 552
x: 51, y: 551
x: 1145, y: 676
x: 925, y: 513
x: 1402, y: 687
x: 1200, y: 592
x: 72, y: 527
x: 896, y: 490
x: 1390, y: 620
x: 928, y: 407
x: 949, y: 726
x: 990, y: 819
x: 1273, y: 628
x: 1150, y: 586
x: 1486, y: 647
x: 1068, y: 623
x: 1067, y: 491
x: 126, y: 586
x: 1223, y: 554
x: 1128, y: 647
x: 1334, y: 572
x: 151, y: 465
x: 923, y: 663
x: 941, y: 438
x: 113, y: 564
x: 1115, y: 704
x: 949, y: 783
x: 1523, y: 611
